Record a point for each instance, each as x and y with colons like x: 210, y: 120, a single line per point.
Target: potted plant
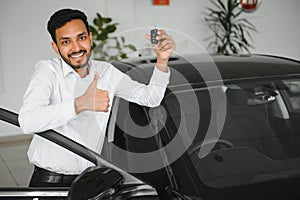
x: 107, y: 47
x: 231, y: 32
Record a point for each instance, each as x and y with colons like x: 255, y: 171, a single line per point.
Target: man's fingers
x: 167, y: 45
x: 101, y: 100
x: 94, y: 83
x: 162, y: 35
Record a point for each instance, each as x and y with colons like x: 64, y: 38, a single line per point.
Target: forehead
x: 71, y: 29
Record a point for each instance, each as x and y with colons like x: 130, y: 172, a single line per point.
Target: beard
x: 76, y: 66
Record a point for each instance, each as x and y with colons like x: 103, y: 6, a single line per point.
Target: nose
x: 76, y: 46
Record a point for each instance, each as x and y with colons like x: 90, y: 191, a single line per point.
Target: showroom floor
x: 15, y: 169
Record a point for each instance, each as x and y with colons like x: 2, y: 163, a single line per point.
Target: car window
x: 293, y: 90
x: 259, y: 141
x: 15, y: 169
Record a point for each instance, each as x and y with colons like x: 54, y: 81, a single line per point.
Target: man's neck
x: 83, y: 71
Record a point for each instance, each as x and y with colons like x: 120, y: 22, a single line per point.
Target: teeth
x: 77, y: 55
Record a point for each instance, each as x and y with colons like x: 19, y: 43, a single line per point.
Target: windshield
x: 257, y: 140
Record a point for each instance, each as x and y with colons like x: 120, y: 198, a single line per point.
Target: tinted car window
x: 293, y: 90
x: 257, y: 143
x: 260, y: 138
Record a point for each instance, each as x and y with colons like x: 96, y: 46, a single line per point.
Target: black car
x: 228, y: 128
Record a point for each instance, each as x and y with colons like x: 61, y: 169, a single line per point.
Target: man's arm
x: 164, y: 49
x: 36, y: 113
x: 151, y: 95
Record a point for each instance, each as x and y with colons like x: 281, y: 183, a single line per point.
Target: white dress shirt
x: 49, y: 104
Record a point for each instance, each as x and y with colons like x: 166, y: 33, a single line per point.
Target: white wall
x: 24, y: 39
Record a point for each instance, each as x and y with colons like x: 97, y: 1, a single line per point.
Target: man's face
x: 74, y: 43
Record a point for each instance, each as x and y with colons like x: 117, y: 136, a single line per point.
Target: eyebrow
x: 81, y: 34
x: 66, y: 38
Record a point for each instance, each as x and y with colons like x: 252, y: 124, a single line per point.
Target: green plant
x: 107, y: 47
x: 231, y: 32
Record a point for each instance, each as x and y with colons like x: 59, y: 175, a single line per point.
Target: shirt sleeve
x: 36, y: 113
x: 149, y: 95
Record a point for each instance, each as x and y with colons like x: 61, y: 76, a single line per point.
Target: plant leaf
x: 111, y: 28
x: 221, y: 4
x: 103, y: 36
x: 93, y: 30
x: 122, y: 39
x: 107, y: 20
x: 131, y: 47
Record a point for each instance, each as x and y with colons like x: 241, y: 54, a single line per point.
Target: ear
x: 55, y: 47
x: 91, y: 38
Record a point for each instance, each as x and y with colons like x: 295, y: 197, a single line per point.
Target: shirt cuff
x: 159, y: 77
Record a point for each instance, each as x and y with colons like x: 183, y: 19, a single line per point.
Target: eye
x: 65, y: 42
x: 82, y: 37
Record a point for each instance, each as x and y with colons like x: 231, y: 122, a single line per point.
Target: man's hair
x: 61, y: 17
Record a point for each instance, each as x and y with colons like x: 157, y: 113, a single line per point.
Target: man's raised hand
x: 93, y: 99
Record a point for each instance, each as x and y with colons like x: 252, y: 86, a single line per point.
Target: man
x: 72, y: 94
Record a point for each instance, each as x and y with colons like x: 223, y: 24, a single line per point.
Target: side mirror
x: 95, y: 182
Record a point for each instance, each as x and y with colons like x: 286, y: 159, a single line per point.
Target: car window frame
x: 37, y: 192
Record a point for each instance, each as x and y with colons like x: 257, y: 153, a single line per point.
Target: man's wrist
x: 79, y: 105
x: 162, y: 64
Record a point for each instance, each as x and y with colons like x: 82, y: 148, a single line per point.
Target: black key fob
x: 153, y: 34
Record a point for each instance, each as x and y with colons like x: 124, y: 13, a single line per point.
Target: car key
x: 153, y: 34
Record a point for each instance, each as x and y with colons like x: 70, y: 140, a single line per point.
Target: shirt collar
x: 67, y: 69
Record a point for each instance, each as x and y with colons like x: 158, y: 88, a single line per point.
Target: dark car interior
x: 259, y: 142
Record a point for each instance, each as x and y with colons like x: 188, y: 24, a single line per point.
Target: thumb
x: 93, y: 84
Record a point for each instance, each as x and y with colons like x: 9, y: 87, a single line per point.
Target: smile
x: 77, y: 55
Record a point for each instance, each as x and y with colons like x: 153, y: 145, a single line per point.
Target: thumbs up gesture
x: 93, y: 99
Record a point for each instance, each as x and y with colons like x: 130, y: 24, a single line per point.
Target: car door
x: 14, y: 186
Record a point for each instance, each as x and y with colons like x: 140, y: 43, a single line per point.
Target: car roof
x: 207, y: 68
